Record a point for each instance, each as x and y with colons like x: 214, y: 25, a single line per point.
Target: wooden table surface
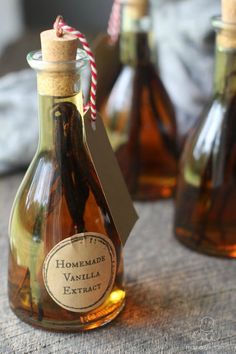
x: 178, y: 301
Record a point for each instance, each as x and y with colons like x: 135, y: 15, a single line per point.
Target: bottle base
x: 71, y: 326
x: 203, y: 247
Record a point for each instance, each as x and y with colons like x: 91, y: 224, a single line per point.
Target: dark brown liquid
x: 206, y: 197
x: 147, y: 151
x: 60, y: 197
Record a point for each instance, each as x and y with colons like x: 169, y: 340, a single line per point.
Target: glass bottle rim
x: 219, y: 25
x: 36, y: 62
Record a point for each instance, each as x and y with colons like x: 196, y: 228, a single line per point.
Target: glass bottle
x: 205, y: 217
x: 59, y: 206
x: 139, y: 115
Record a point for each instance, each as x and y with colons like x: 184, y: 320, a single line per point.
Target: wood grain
x: 178, y: 301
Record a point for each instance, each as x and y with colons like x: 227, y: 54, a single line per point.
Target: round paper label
x: 79, y: 272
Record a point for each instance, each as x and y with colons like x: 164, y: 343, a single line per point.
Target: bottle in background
x: 205, y: 217
x: 138, y: 113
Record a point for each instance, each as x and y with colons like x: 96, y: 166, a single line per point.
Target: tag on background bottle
x: 113, y: 185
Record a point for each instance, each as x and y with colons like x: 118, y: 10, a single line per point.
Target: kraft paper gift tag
x: 110, y: 177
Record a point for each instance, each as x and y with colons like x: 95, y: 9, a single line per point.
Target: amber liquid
x: 140, y: 122
x: 60, y: 196
x: 206, y: 197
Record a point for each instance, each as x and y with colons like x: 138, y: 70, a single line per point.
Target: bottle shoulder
x: 70, y: 194
x: 211, y: 143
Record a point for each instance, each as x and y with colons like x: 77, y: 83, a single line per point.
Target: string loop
x: 61, y: 27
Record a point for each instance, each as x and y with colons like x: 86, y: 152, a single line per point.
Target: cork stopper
x: 136, y: 8
x: 227, y: 36
x: 57, y: 48
x: 228, y: 11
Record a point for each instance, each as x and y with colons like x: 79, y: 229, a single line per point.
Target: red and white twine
x: 113, y: 29
x: 62, y: 26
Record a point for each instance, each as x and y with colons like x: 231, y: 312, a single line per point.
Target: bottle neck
x: 134, y: 48
x: 134, y: 38
x: 56, y: 119
x: 60, y: 99
x: 225, y: 72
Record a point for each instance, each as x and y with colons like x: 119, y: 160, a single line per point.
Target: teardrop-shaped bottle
x: 66, y: 261
x: 205, y: 217
x: 139, y: 115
